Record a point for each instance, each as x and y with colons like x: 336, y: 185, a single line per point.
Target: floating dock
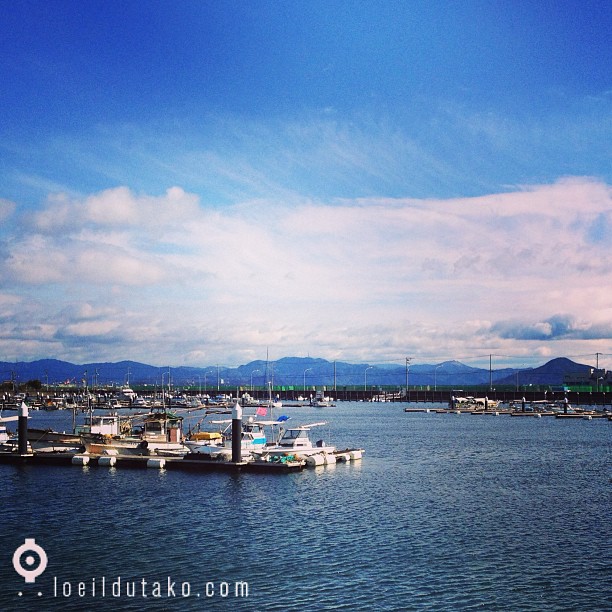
x: 587, y: 415
x: 191, y: 463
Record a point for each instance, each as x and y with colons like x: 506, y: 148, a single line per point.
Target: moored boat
x: 50, y: 441
x: 218, y: 444
x: 160, y: 433
x: 320, y: 400
x: 296, y: 441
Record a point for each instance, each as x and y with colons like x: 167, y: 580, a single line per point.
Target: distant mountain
x: 550, y: 373
x: 297, y: 372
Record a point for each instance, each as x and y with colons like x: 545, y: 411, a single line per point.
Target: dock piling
x: 22, y: 430
x: 237, y: 433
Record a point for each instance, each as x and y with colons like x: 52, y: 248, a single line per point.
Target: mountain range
x: 289, y: 371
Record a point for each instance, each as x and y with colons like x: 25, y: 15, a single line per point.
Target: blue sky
x: 194, y: 182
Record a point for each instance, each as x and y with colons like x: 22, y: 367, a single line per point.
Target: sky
x: 199, y: 182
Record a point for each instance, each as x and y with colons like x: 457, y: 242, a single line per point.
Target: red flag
x: 261, y: 411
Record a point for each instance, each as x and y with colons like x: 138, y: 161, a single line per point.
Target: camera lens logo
x: 29, y: 570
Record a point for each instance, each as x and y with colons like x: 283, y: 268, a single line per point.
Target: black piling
x: 22, y: 430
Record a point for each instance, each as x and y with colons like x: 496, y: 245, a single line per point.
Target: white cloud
x: 165, y: 279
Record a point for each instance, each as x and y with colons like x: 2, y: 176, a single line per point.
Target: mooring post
x: 237, y: 433
x: 22, y: 430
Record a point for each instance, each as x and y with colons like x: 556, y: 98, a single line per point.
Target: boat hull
x: 135, y: 446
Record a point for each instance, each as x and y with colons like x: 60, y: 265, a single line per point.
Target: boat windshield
x: 292, y: 436
x: 154, y: 426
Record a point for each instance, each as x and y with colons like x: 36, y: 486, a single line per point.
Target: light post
x: 408, y: 359
x: 253, y: 372
x: 365, y: 379
x: 517, y: 384
x: 306, y: 370
x: 435, y: 379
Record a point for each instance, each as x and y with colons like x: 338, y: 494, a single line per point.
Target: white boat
x: 218, y: 444
x: 472, y: 403
x: 296, y: 441
x: 105, y: 425
x: 249, y: 401
x: 273, y: 403
x: 139, y: 402
x: 160, y: 433
x: 4, y: 436
x: 126, y: 394
x: 320, y: 400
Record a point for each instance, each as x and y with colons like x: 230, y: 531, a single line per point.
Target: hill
x: 297, y: 372
x: 551, y: 373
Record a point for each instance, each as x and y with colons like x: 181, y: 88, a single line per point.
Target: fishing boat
x: 40, y: 440
x: 97, y: 427
x: 160, y: 434
x: 50, y: 441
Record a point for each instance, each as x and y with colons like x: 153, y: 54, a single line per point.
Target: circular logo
x: 33, y: 564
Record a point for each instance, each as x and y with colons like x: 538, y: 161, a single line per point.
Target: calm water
x: 445, y: 512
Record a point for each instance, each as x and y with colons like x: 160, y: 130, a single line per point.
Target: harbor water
x: 445, y: 512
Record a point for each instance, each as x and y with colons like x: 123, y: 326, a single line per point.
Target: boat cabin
x: 295, y: 438
x: 104, y: 425
x: 163, y: 426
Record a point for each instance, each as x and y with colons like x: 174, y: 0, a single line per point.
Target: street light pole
x: 365, y: 379
x: 408, y: 359
x: 253, y: 372
x: 306, y: 370
x: 435, y: 378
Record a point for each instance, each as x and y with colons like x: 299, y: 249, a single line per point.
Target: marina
x: 110, y: 440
